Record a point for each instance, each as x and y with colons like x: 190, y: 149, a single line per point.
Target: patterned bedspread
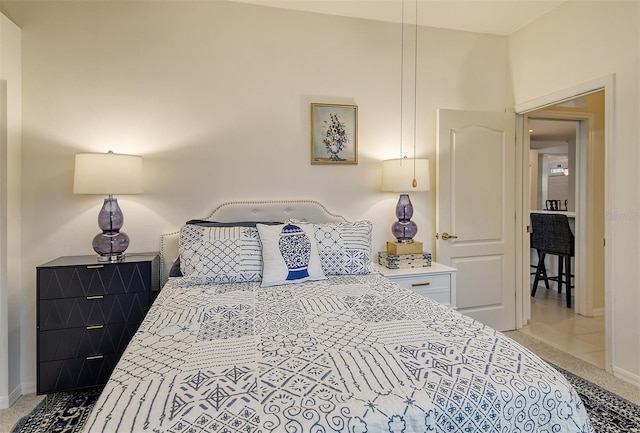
x: 346, y: 354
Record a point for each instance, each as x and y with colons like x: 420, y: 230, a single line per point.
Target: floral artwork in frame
x: 334, y: 134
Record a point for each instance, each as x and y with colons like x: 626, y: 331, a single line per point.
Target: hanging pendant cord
x: 415, y: 97
x: 401, y: 77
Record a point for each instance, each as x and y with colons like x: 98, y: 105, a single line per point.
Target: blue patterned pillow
x: 220, y: 254
x: 345, y: 248
x: 289, y: 254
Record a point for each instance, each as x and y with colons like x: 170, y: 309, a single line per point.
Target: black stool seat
x: 551, y: 234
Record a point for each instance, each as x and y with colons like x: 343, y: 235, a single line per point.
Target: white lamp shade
x: 398, y: 175
x: 107, y: 174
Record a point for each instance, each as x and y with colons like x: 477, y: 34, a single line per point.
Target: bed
x: 323, y: 345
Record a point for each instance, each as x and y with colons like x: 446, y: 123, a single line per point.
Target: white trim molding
x: 596, y: 85
x: 626, y: 376
x: 8, y: 400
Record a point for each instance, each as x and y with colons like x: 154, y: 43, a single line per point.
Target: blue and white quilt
x: 353, y: 353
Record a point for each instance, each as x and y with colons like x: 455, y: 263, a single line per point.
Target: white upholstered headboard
x: 303, y: 210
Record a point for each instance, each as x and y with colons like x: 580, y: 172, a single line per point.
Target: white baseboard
x: 6, y: 401
x: 28, y: 388
x: 626, y: 376
x: 598, y: 312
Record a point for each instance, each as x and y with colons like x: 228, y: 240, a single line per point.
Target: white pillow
x: 289, y: 254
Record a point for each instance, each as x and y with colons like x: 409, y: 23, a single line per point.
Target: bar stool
x: 535, y: 267
x: 551, y: 234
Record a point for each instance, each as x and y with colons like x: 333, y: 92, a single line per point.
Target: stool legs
x: 541, y: 273
x: 567, y: 280
x: 560, y: 275
x: 564, y: 275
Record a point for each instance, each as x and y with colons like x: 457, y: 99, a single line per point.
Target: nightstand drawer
x: 428, y: 282
x: 436, y: 287
x: 76, y: 373
x: 93, y: 279
x: 441, y: 295
x: 420, y: 282
x: 436, y: 282
x: 92, y: 310
x: 82, y: 342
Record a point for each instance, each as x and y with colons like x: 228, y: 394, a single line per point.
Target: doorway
x: 566, y: 143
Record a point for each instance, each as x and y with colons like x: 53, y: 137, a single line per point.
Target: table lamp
x: 404, y: 175
x: 108, y: 174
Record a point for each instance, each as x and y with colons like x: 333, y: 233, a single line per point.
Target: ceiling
x: 552, y: 130
x: 498, y: 17
x: 545, y: 133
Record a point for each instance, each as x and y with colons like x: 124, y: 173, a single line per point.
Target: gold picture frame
x: 334, y: 134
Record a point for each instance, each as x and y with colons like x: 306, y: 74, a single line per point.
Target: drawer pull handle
x: 89, y: 298
x: 94, y: 327
x: 91, y: 358
x: 421, y: 284
x: 95, y: 267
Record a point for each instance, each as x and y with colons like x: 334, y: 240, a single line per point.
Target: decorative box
x: 403, y: 261
x: 402, y: 248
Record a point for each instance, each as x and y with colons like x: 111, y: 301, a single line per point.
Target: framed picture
x: 334, y: 134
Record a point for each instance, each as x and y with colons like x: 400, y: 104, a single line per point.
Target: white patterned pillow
x: 220, y: 254
x: 289, y: 254
x: 345, y: 248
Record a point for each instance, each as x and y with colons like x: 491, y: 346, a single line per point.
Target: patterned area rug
x: 67, y: 413
x: 608, y: 412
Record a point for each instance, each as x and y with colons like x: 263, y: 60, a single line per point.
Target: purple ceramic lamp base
x: 404, y: 229
x: 111, y: 243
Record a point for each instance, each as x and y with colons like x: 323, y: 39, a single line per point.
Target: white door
x: 476, y: 198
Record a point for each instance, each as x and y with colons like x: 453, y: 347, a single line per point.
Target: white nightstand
x: 437, y: 282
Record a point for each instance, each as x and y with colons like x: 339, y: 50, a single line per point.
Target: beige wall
x: 10, y: 216
x: 577, y: 43
x: 595, y: 199
x: 533, y: 179
x: 215, y: 97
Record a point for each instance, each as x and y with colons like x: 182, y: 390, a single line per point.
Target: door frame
x: 523, y: 302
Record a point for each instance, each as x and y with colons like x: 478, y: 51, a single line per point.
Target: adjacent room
x: 566, y: 160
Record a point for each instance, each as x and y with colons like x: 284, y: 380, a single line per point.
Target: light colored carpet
x: 24, y: 405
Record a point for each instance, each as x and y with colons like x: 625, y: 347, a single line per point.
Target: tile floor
x: 555, y: 324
